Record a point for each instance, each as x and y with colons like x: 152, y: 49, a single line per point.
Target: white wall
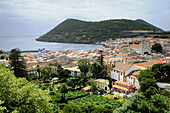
x: 114, y: 75
x: 121, y: 77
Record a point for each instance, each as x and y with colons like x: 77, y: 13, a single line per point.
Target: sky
x: 36, y: 17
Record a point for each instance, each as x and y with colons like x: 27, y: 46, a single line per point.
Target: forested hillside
x: 77, y: 31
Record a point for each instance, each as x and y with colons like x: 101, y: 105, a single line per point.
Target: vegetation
x: 77, y: 31
x: 19, y: 95
x: 97, y: 102
x: 98, y: 71
x: 70, y: 95
x: 162, y: 36
x: 161, y: 72
x: 63, y: 74
x: 17, y: 63
x: 83, y: 65
x: 153, y: 100
x: 156, y: 47
x: 63, y: 89
x: 138, y: 103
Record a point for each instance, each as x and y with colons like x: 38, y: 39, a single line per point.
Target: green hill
x: 77, y: 31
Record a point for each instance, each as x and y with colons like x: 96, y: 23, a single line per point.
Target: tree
x: 63, y: 74
x: 101, y: 57
x: 64, y: 89
x: 161, y: 71
x: 93, y: 87
x: 2, y: 108
x: 145, y: 84
x: 136, y: 104
x: 2, y: 57
x: 110, y: 84
x: 150, y: 91
x: 160, y: 103
x: 83, y: 79
x: 156, y: 36
x: 130, y: 42
x: 165, y: 93
x: 98, y: 71
x: 17, y: 63
x: 145, y: 74
x: 31, y: 99
x: 20, y: 95
x: 46, y: 72
x: 83, y: 65
x: 157, y: 47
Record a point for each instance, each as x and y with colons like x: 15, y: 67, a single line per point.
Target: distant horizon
x: 39, y: 34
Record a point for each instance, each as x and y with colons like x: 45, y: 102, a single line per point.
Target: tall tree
x: 63, y: 74
x: 110, y: 84
x: 157, y: 47
x: 17, y: 63
x: 101, y: 57
x: 98, y: 71
x: 83, y: 65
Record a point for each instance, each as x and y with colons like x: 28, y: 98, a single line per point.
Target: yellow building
x: 102, y: 83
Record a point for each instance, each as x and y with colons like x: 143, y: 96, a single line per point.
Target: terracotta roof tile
x: 122, y: 66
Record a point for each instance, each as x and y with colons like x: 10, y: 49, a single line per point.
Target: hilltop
x: 78, y: 31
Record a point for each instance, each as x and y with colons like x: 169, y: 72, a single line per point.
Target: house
x: 102, y: 83
x: 123, y: 87
x: 120, y: 70
x: 148, y: 64
x: 135, y: 47
x: 74, y: 70
x: 32, y: 71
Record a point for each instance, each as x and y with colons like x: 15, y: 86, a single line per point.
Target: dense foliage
x: 157, y: 47
x: 17, y: 63
x: 70, y: 95
x: 98, y: 71
x: 83, y: 65
x: 161, y: 72
x: 77, y: 31
x: 97, y: 101
x: 139, y: 104
x: 20, y: 95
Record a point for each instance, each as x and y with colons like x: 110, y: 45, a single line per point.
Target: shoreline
x: 67, y: 42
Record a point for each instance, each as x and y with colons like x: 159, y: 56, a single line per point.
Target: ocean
x: 28, y: 42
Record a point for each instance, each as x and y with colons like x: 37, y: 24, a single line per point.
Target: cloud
x: 52, y: 12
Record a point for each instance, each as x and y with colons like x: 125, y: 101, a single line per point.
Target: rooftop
x: 102, y: 81
x: 122, y: 66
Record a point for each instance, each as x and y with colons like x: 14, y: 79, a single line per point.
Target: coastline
x: 67, y: 42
